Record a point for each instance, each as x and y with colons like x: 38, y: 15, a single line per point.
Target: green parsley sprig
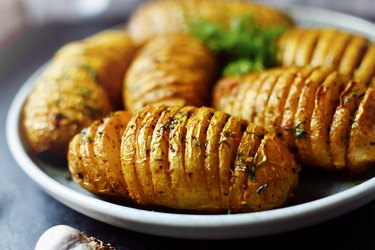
x: 244, y: 46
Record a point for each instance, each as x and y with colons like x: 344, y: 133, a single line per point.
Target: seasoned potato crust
x: 171, y: 70
x: 164, y: 17
x: 323, y: 116
x: 185, y: 158
x: 82, y: 83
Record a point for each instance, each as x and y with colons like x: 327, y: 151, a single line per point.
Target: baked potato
x: 172, y: 70
x: 348, y: 53
x: 323, y: 116
x: 187, y: 159
x: 163, y: 17
x: 82, y: 83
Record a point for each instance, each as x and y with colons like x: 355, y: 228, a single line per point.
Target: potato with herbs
x: 172, y: 70
x: 94, y: 156
x: 324, y: 117
x: 82, y: 83
x: 188, y: 158
x: 163, y: 17
x: 348, y: 53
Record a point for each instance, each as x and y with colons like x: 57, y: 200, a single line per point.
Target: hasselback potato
x: 172, y: 70
x: 323, y: 116
x: 189, y: 158
x: 348, y: 53
x: 163, y: 17
x: 82, y: 83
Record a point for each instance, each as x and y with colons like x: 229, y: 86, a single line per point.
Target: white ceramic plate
x: 319, y: 197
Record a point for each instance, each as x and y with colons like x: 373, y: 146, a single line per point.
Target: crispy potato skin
x: 325, y: 117
x: 94, y: 156
x: 82, y: 83
x: 164, y: 17
x: 347, y: 53
x: 170, y: 70
x: 188, y: 159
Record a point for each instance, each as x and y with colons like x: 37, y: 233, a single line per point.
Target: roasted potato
x: 349, y: 54
x: 163, y: 17
x: 172, y: 70
x: 186, y: 158
x: 82, y: 83
x: 325, y: 117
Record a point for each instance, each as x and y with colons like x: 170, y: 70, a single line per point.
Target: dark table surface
x: 26, y: 211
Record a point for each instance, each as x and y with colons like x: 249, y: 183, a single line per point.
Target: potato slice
x: 194, y: 156
x: 144, y: 149
x: 366, y: 70
x: 336, y: 50
x: 342, y: 122
x: 94, y: 174
x: 362, y: 135
x: 244, y: 165
x: 326, y: 101
x: 291, y: 42
x: 353, y: 55
x: 163, y: 193
x: 304, y: 111
x: 128, y: 155
x: 243, y: 85
x: 253, y: 83
x: 262, y: 99
x: 306, y: 47
x: 107, y: 151
x: 211, y: 159
x: 323, y: 46
x: 277, y: 99
x: 229, y: 140
x: 176, y: 157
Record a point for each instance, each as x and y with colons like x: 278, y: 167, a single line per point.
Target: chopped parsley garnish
x: 245, y: 46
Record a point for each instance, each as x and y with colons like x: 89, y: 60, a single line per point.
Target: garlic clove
x: 62, y: 237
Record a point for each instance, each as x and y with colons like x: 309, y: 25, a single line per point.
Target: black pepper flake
x: 261, y: 188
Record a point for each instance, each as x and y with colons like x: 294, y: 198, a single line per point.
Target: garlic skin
x: 62, y: 237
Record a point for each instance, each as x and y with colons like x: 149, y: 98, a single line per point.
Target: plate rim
x: 192, y: 226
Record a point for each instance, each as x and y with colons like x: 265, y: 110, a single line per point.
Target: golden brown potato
x: 82, y: 83
x: 348, y: 53
x: 172, y: 70
x: 186, y: 158
x: 94, y: 156
x: 320, y: 114
x: 362, y: 135
x: 163, y: 17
